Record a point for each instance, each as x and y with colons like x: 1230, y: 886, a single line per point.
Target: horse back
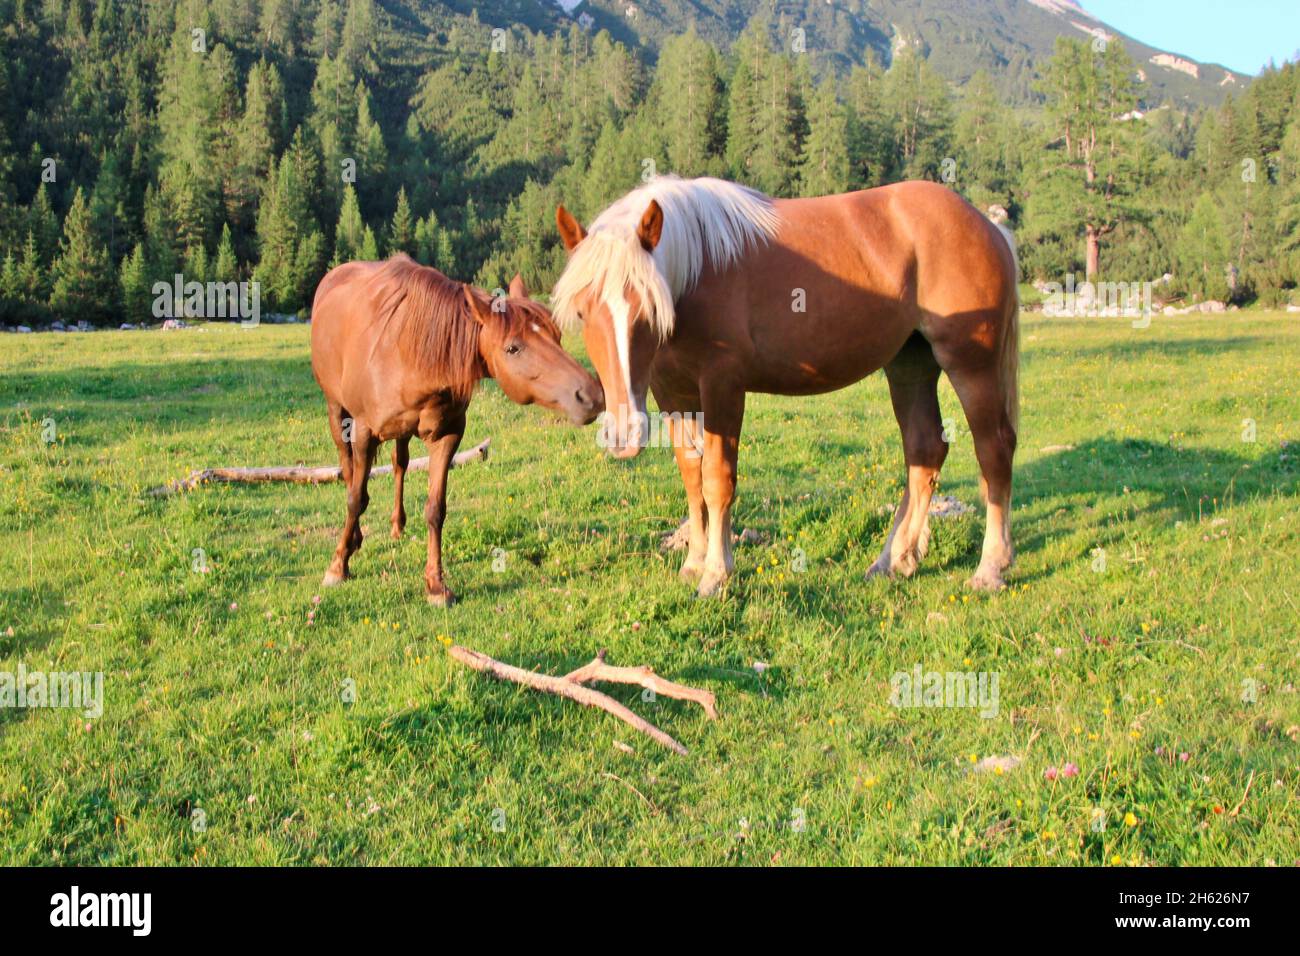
x: 844, y: 283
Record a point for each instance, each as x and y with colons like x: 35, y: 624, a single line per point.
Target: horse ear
x: 571, y: 231
x: 517, y: 288
x: 651, y: 227
x: 475, y: 306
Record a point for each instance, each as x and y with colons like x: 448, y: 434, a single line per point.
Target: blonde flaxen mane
x: 705, y: 221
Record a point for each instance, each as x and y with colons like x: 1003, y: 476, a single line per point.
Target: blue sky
x: 1240, y: 34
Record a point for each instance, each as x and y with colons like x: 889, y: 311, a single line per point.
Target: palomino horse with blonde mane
x: 703, y: 290
x: 397, y: 348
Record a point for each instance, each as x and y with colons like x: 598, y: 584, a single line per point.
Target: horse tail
x: 1009, y: 359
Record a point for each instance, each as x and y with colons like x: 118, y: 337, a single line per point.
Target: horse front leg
x: 724, y: 409
x: 401, y: 458
x: 363, y: 446
x: 688, y: 449
x: 442, y: 447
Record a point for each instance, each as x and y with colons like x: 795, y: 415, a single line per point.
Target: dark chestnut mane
x: 435, y: 327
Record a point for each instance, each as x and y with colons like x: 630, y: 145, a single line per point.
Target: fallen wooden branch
x: 301, y: 474
x: 573, y: 686
x: 598, y: 670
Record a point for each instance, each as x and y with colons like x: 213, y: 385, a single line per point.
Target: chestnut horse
x: 703, y: 290
x: 397, y: 348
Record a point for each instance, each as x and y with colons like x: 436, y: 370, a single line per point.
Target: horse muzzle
x: 587, y: 404
x: 620, y: 437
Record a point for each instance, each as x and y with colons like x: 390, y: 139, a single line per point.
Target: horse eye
x: 514, y: 348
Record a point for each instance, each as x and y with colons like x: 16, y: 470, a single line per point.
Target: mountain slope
x: 1005, y: 37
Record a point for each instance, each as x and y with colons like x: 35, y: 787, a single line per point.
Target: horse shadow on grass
x: 1169, y: 477
x: 1154, y: 479
x: 34, y: 612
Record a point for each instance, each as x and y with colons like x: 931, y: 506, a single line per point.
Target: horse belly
x: 389, y: 409
x: 825, y: 348
x: 828, y: 302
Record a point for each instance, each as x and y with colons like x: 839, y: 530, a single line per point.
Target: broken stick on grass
x: 573, y: 686
x: 598, y: 670
x: 301, y: 474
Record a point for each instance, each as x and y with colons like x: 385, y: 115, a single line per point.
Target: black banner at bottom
x: 213, y: 906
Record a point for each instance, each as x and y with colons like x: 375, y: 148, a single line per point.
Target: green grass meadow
x: 1149, y: 637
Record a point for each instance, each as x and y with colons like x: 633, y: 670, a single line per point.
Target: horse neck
x: 454, y: 366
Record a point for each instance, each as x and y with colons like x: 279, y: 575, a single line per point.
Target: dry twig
x: 573, y: 686
x: 1237, y: 809
x: 598, y: 670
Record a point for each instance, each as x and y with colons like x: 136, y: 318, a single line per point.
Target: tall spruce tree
x: 764, y: 114
x: 872, y: 151
x: 258, y: 136
x: 225, y: 268
x: 83, y: 286
x: 133, y: 279
x: 1201, y: 255
x: 983, y: 172
x: 197, y: 105
x: 401, y: 231
x: 825, y: 168
x: 920, y: 109
x: 43, y: 224
x: 350, y: 231
x: 290, y: 247
x: 687, y: 99
x: 1085, y: 182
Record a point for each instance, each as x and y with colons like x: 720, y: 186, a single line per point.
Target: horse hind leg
x: 341, y: 427
x: 994, y: 435
x: 913, y: 377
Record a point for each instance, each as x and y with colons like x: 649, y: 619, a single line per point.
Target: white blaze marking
x: 622, y: 321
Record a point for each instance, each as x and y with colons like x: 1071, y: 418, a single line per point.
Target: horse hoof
x: 691, y: 572
x: 903, y: 565
x: 878, y: 570
x: 397, y: 532
x: 986, y: 581
x: 710, y: 585
x: 442, y: 598
x: 923, y: 544
x: 333, y: 579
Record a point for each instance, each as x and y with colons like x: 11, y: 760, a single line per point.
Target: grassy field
x: 1163, y: 669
